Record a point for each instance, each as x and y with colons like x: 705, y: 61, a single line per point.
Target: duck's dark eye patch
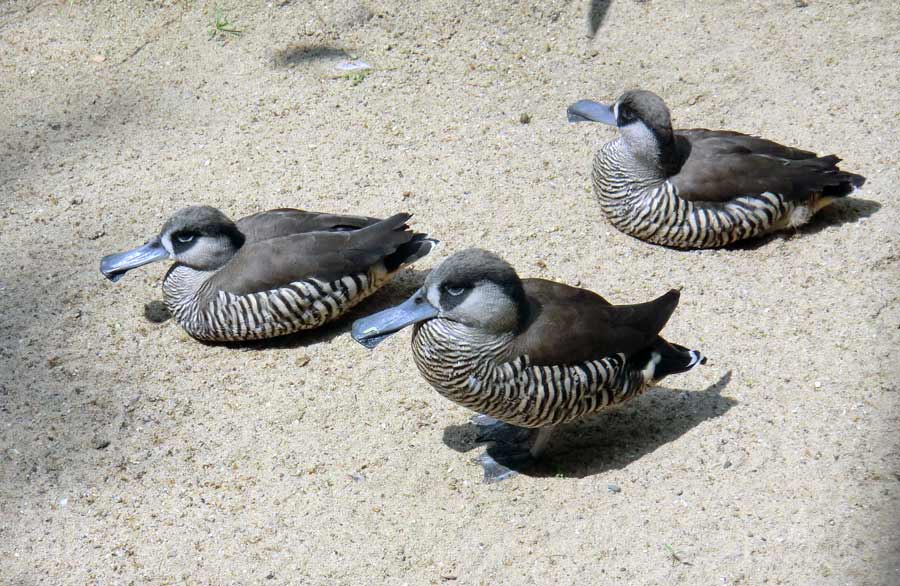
x: 626, y: 114
x: 183, y: 240
x: 455, y: 288
x: 452, y: 294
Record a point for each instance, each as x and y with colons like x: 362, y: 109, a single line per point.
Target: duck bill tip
x: 590, y: 111
x: 114, y: 266
x: 372, y: 330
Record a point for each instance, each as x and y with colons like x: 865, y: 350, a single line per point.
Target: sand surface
x: 131, y: 454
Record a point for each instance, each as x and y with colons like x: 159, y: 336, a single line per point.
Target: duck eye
x: 455, y: 291
x: 185, y: 237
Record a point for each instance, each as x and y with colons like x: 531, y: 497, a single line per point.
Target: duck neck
x: 449, y: 354
x: 647, y: 155
x: 620, y: 171
x: 181, y: 288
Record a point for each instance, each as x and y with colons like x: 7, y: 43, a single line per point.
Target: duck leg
x: 494, y: 430
x: 512, y: 448
x: 541, y: 440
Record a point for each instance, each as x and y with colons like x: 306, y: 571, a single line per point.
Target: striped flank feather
x: 300, y: 305
x: 471, y: 369
x: 652, y: 210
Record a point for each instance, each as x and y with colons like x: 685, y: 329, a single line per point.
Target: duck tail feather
x: 409, y: 252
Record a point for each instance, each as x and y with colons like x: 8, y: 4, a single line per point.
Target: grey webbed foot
x: 500, y: 462
x: 482, y: 420
x: 511, y: 448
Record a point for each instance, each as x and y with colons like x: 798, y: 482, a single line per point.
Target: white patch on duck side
x: 799, y: 216
x: 802, y: 214
x: 650, y: 369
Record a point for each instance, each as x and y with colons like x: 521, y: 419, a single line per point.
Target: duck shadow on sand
x: 849, y: 210
x: 614, y: 439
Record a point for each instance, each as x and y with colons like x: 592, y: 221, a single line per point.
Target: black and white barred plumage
x: 301, y: 305
x: 529, y: 352
x: 477, y: 372
x: 654, y: 211
x: 272, y: 273
x: 701, y: 188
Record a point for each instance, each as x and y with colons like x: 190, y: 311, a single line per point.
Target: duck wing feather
x: 719, y: 165
x: 324, y: 255
x: 285, y: 222
x: 567, y: 325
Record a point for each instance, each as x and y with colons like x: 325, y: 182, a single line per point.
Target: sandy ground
x: 132, y: 454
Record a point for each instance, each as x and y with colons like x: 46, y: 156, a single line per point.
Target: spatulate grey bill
x: 701, y: 188
x: 529, y: 352
x: 272, y: 273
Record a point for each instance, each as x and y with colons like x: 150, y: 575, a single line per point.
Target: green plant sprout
x: 676, y: 558
x: 222, y: 25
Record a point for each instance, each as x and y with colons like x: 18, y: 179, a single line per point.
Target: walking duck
x: 272, y: 273
x: 528, y: 352
x: 702, y: 188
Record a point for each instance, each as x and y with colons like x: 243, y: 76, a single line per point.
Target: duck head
x: 200, y: 237
x: 474, y: 287
x: 642, y: 118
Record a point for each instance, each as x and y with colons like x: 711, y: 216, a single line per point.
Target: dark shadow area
x: 597, y: 10
x: 847, y: 210
x: 294, y: 55
x: 616, y: 438
x: 394, y: 293
x: 596, y: 14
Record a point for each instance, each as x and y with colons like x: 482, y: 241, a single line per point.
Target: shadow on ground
x: 615, y: 439
x: 843, y: 211
x: 295, y: 55
x: 596, y: 15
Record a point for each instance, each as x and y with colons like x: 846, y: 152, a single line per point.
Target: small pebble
x: 156, y: 312
x: 524, y: 118
x: 98, y: 443
x: 613, y: 488
x: 727, y: 464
